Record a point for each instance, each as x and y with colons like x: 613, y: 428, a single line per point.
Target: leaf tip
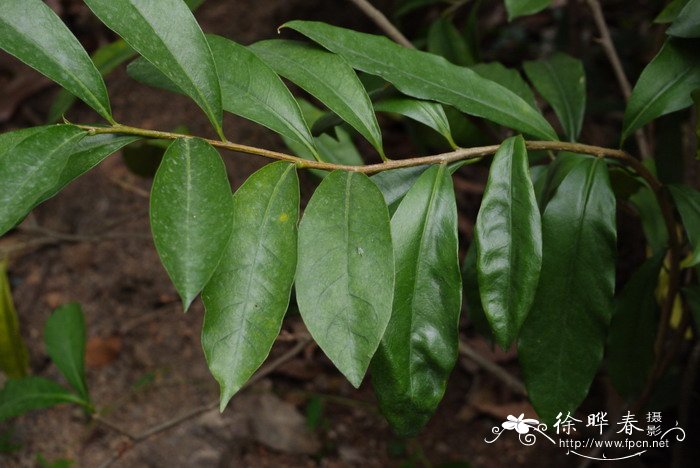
x: 226, y: 394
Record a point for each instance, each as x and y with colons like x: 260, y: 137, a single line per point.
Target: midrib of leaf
x: 346, y: 234
x: 431, y: 203
x: 562, y: 94
x: 261, y: 236
x: 332, y: 91
x: 570, y: 269
x: 68, y: 71
x: 263, y: 103
x: 431, y: 83
x: 194, y: 87
x: 509, y: 293
x: 188, y: 207
x: 654, y: 99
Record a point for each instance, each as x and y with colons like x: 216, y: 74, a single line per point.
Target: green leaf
x: 419, y: 349
x: 561, y: 80
x: 14, y: 360
x: 336, y: 146
x: 516, y: 8
x: 87, y: 153
x: 64, y: 338
x: 106, y: 59
x: 33, y: 33
x: 561, y: 342
x: 445, y: 40
x: 426, y: 76
x: 30, y: 167
x: 345, y: 276
x: 652, y: 219
x: 556, y: 173
x: 167, y: 35
x: 687, y: 22
x: 630, y: 352
x: 394, y: 184
x: 250, y: 89
x: 190, y: 214
x: 428, y: 113
x: 687, y: 200
x: 30, y: 393
x: 508, y: 235
x: 664, y: 85
x: 472, y: 296
x: 670, y: 12
x: 248, y: 295
x: 508, y: 78
x: 328, y: 78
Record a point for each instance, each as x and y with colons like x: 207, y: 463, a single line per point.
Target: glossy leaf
x: 167, y: 35
x: 106, y: 59
x: 687, y: 200
x: 508, y: 234
x: 508, y: 78
x: 556, y: 173
x: 687, y: 22
x: 652, y: 219
x: 561, y: 342
x: 419, y: 348
x: 664, y: 85
x: 516, y: 8
x: 444, y: 39
x: 31, y: 167
x: 33, y: 33
x: 87, y: 153
x: 472, y: 296
x: 328, y: 78
x: 14, y: 360
x: 345, y: 275
x: 426, y: 112
x: 561, y: 80
x: 190, y: 214
x: 248, y: 295
x: 630, y: 352
x: 449, y: 84
x: 64, y: 338
x: 250, y: 89
x: 30, y: 393
x: 336, y: 146
x: 395, y: 183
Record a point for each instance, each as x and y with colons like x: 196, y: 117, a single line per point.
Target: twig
x: 494, y: 369
x: 381, y: 20
x: 614, y: 59
x: 145, y: 435
x: 453, y: 156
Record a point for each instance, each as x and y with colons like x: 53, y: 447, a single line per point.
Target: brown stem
x: 453, y: 156
x: 383, y: 22
x: 614, y: 59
